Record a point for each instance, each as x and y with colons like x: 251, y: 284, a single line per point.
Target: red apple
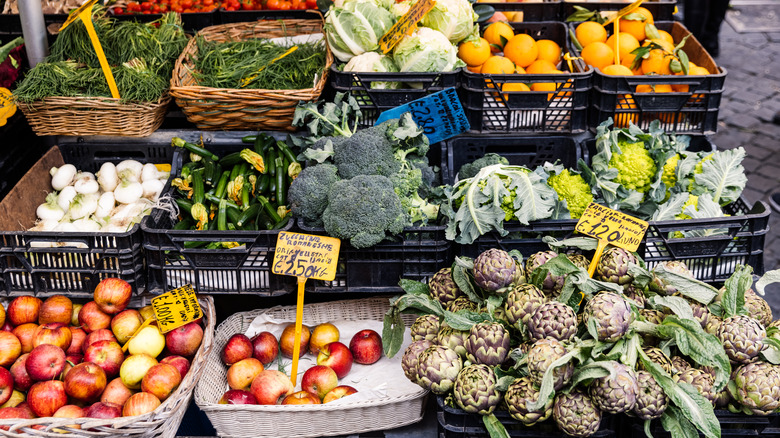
x: 85, y: 382
x: 98, y: 335
x: 7, y: 327
x: 338, y: 392
x: 26, y: 407
x: 71, y: 361
x: 237, y: 348
x: 23, y: 310
x: 323, y: 334
x: 287, y: 340
x: 2, y: 316
x: 270, y: 385
x: 77, y: 338
x: 241, y: 374
x: 139, y: 404
x: 301, y: 398
x: 161, y: 380
x: 15, y: 413
x: 46, y: 397
x: 180, y: 363
x: 22, y: 380
x: 185, y: 340
x: 53, y: 333
x: 113, y: 295
x: 337, y: 356
x: 103, y: 410
x: 10, y: 348
x: 25, y: 333
x: 265, y: 348
x: 319, y: 380
x: 6, y: 385
x: 56, y: 308
x: 69, y: 411
x: 366, y: 347
x: 116, y: 392
x: 92, y: 318
x: 125, y: 323
x: 45, y: 362
x: 74, y: 318
x: 107, y: 355
x: 237, y: 397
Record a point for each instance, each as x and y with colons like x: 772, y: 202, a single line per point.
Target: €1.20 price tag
x: 610, y: 227
x: 176, y: 308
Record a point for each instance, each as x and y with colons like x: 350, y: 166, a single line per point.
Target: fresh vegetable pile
x: 141, y: 56
x: 542, y: 340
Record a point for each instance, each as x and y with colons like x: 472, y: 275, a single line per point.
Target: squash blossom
x: 200, y: 214
x: 253, y: 158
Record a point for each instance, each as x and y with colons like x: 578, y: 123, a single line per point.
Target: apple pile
x: 251, y: 383
x: 60, y: 359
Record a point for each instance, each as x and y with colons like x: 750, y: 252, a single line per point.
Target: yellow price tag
x: 304, y: 256
x: 176, y: 308
x: 610, y: 227
x: 7, y: 105
x: 405, y: 25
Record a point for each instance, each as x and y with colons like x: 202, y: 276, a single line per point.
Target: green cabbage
x: 426, y: 50
x: 374, y: 62
x: 356, y: 28
x: 454, y: 18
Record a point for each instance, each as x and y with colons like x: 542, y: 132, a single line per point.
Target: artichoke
x: 462, y: 303
x: 552, y: 284
x: 443, y: 287
x: 451, y: 338
x: 576, y: 414
x: 494, y: 270
x: 541, y: 355
x: 652, y: 315
x: 521, y: 392
x: 679, y: 365
x: 658, y: 357
x: 537, y: 259
x: 613, y: 266
x: 437, y: 368
x: 742, y: 338
x: 488, y: 343
x: 701, y: 313
x: 758, y: 308
x: 713, y: 324
x: 553, y: 320
x: 701, y: 380
x: 611, y: 313
x: 521, y: 302
x: 411, y: 357
x: 425, y: 327
x: 651, y: 402
x: 662, y: 288
x: 475, y: 390
x: 756, y: 386
x: 616, y: 392
x: 635, y: 294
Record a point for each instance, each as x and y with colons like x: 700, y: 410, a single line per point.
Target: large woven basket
x: 56, y: 115
x: 255, y: 421
x: 162, y: 422
x: 226, y: 108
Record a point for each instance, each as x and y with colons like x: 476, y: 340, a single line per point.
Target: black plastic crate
x: 190, y: 21
x: 731, y: 426
x: 416, y: 254
x: 227, y: 17
x: 456, y: 423
x: 373, y: 101
x: 519, y: 150
x: 561, y: 111
x: 28, y: 261
x: 12, y: 24
x: 546, y: 10
x: 662, y: 10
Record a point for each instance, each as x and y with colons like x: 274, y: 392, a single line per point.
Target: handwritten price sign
x: 176, y: 308
x: 610, y: 227
x: 405, y: 25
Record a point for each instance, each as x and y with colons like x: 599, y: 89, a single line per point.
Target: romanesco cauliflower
x: 572, y: 188
x: 636, y: 168
x: 669, y: 177
x: 693, y: 200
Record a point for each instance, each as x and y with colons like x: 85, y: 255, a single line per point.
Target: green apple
x: 148, y: 341
x: 134, y: 369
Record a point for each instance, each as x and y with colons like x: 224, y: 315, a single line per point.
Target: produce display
x: 48, y: 6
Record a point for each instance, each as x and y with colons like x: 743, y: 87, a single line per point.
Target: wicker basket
x: 162, y: 422
x: 303, y: 420
x: 225, y: 108
x: 82, y: 116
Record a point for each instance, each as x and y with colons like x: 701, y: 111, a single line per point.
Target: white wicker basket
x: 162, y: 422
x: 278, y: 421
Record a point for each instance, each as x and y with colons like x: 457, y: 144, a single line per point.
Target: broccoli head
x: 308, y: 194
x: 469, y: 170
x: 366, y: 152
x: 364, y: 209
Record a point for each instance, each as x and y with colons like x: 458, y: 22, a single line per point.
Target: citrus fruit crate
x: 373, y: 97
x: 415, y: 254
x: 560, y: 107
x: 541, y: 10
x: 456, y: 423
x: 72, y: 263
x: 731, y: 426
x: 694, y: 111
x: 662, y: 10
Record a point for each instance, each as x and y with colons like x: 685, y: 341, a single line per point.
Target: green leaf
x: 648, y: 434
x: 494, y: 426
x: 675, y: 66
x: 686, y: 64
x: 681, y: 44
x: 503, y: 383
x: 484, y: 12
x: 676, y: 424
x: 593, y: 370
x: 679, y: 306
x: 414, y: 287
x: 581, y: 14
x: 733, y: 299
x: 768, y: 278
x: 771, y: 353
x: 423, y: 303
x: 574, y: 40
x: 641, y: 275
x: 583, y: 243
x: 546, y: 390
x: 464, y: 319
x: 634, y: 16
x: 593, y: 329
x: 392, y: 332
x: 461, y: 277
x: 652, y: 32
x: 723, y: 176
x: 690, y: 287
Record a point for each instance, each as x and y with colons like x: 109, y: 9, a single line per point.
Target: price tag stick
x: 298, y: 329
x: 596, y: 257
x: 624, y: 11
x: 148, y: 321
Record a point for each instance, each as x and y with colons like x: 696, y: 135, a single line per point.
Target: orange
x: 474, y: 52
x: 522, y: 50
x: 514, y: 86
x: 695, y: 70
x: 497, y: 34
x: 541, y: 66
x: 617, y: 70
x: 669, y: 47
x: 598, y: 55
x: 636, y: 27
x: 626, y: 43
x: 549, y: 50
x: 589, y: 31
x: 657, y: 62
x: 475, y: 69
x: 498, y: 65
x: 628, y: 61
x: 622, y: 119
x: 545, y: 86
x: 659, y: 88
x: 520, y: 70
x: 666, y: 36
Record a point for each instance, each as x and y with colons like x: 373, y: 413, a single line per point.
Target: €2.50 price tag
x: 176, y: 308
x: 610, y: 227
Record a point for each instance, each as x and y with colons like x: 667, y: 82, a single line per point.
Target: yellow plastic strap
x: 628, y: 9
x: 85, y: 14
x: 298, y: 329
x: 617, y: 42
x: 247, y: 81
x: 568, y: 58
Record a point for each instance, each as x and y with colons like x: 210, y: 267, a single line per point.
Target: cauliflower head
x: 573, y: 189
x: 636, y: 168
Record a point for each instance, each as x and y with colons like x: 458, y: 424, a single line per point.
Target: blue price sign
x: 440, y: 115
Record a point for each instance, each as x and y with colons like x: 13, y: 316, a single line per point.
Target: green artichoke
x: 652, y: 315
x: 475, y: 390
x: 658, y: 357
x: 701, y: 380
x: 553, y: 320
x: 758, y: 308
x: 662, y: 288
x: 635, y: 294
x: 613, y: 266
x: 411, y: 357
x: 537, y: 259
x: 443, y: 287
x: 437, y: 368
x: 756, y: 386
x: 521, y: 392
x: 701, y: 313
x: 742, y: 338
x: 615, y: 393
x: 552, y: 284
x: 576, y: 414
x: 611, y: 313
x: 455, y: 339
x: 488, y: 343
x: 521, y: 302
x: 651, y: 402
x: 679, y: 365
x: 462, y: 303
x: 494, y: 270
x: 541, y: 355
x: 713, y: 324
x: 425, y: 327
